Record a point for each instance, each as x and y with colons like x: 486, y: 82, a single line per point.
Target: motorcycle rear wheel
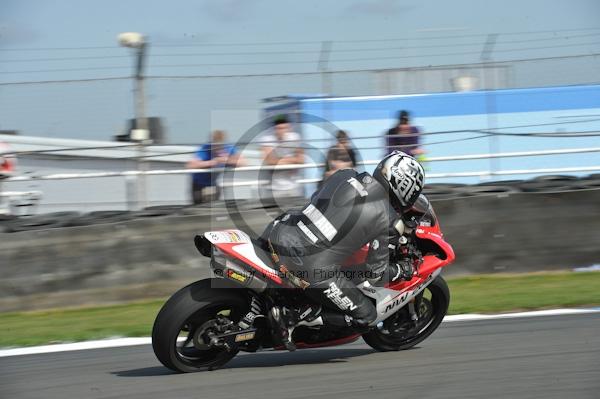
x: 183, y: 314
x: 438, y: 296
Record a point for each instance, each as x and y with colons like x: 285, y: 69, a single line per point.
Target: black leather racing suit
x: 348, y: 211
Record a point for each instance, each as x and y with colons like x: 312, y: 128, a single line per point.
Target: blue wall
x: 542, y: 110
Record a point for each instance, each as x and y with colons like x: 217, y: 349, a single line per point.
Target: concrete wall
x: 108, y: 263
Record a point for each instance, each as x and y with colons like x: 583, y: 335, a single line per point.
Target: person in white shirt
x: 281, y: 147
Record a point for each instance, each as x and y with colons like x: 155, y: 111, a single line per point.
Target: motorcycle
x: 205, y: 324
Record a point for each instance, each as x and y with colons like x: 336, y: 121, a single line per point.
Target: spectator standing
x: 7, y: 168
x: 404, y: 137
x: 340, y: 156
x: 281, y: 147
x: 215, y: 154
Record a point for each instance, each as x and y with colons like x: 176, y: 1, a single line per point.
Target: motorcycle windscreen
x: 423, y: 211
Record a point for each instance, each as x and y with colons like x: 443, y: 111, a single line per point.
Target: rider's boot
x: 319, y: 317
x: 306, y: 314
x: 282, y: 321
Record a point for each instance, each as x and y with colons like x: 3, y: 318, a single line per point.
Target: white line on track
x: 536, y: 313
x: 119, y: 342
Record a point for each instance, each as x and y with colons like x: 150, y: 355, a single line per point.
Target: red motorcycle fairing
x: 357, y: 258
x: 431, y: 262
x: 340, y: 341
x: 238, y: 245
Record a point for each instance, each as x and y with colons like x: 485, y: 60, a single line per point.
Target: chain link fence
x: 191, y: 105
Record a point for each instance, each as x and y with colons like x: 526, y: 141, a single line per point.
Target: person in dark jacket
x: 340, y: 156
x: 404, y: 137
x: 349, y: 210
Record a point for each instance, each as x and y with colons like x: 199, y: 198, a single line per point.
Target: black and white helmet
x: 403, y: 175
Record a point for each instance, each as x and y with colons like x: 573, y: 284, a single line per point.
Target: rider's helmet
x: 403, y: 176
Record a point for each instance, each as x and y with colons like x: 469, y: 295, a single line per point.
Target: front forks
x: 414, y: 306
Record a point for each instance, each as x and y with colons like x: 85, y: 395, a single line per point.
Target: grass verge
x: 475, y: 294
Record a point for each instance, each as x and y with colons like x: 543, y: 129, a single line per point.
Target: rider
x: 348, y: 211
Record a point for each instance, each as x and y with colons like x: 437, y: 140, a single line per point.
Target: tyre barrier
x: 440, y: 191
x: 4, y: 221
x: 487, y: 189
x: 554, y: 178
x: 100, y: 217
x: 37, y: 222
x: 501, y: 183
x: 435, y: 192
x: 158, y: 211
x: 591, y: 182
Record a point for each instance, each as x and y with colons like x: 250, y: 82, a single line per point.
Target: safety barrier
x: 434, y: 191
x: 485, y: 173
x: 127, y: 190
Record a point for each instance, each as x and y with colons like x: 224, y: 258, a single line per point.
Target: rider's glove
x: 404, y: 270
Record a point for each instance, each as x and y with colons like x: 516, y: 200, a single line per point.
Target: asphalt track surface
x: 538, y: 357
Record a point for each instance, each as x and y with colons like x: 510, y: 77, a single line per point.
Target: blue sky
x: 426, y: 29
x: 72, y: 23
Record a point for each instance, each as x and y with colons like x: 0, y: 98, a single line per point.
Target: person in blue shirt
x: 215, y: 154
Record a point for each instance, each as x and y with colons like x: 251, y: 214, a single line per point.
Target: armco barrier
x: 153, y: 256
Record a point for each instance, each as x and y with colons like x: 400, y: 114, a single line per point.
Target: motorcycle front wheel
x: 178, y: 323
x: 400, y: 333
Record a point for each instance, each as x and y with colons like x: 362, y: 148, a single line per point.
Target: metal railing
x: 312, y: 165
x: 239, y: 182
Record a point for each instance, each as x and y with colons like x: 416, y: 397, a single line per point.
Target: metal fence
x: 116, y: 189
x: 193, y: 104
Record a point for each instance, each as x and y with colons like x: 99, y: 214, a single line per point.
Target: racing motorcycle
x: 205, y: 324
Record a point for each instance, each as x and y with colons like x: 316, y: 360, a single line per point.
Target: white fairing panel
x: 243, y: 246
x: 227, y: 236
x: 248, y: 252
x: 389, y: 301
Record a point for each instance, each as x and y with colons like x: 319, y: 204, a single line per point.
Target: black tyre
x: 98, y: 217
x: 501, y: 183
x: 158, y: 211
x: 548, y: 178
x: 39, y: 222
x: 434, y: 306
x: 187, y: 311
x: 487, y: 190
x: 5, y: 223
x: 441, y: 191
x: 552, y: 186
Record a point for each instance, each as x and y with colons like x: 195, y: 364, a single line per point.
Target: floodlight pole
x: 141, y: 122
x: 140, y: 100
x: 140, y: 134
x: 326, y: 86
x: 490, y: 101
